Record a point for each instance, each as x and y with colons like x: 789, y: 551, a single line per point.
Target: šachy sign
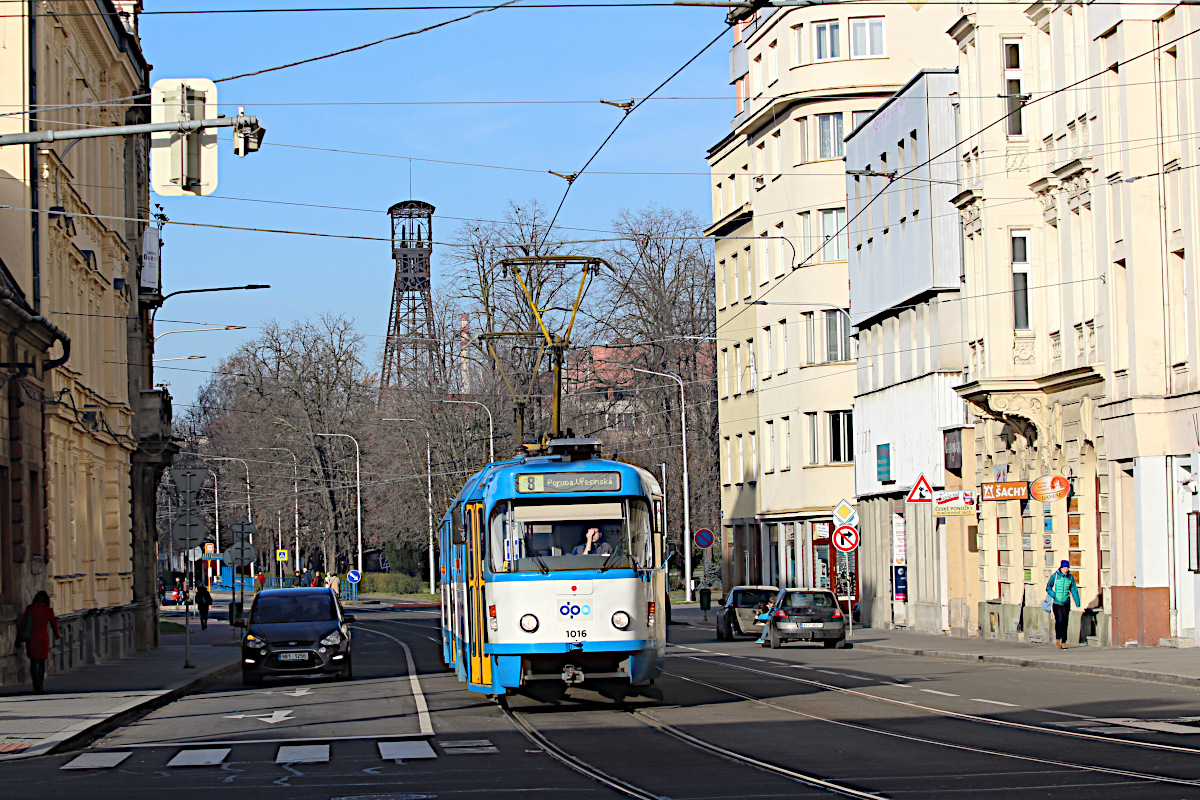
x: 1009, y: 490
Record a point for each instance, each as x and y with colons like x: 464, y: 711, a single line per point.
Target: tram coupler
x: 572, y: 675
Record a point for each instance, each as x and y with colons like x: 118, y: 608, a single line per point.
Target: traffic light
x: 247, y: 137
x: 183, y: 163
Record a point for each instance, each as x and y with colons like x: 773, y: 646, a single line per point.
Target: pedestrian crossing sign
x: 281, y: 555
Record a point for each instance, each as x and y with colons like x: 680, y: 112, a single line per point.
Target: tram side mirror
x: 458, y: 531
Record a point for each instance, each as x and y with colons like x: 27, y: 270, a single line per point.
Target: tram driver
x: 593, y: 545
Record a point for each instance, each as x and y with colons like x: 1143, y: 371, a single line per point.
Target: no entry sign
x: 845, y: 538
x: 704, y: 538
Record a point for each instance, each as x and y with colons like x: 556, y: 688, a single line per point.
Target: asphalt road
x: 737, y: 721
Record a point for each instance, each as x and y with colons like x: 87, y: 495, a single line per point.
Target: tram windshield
x: 544, y: 537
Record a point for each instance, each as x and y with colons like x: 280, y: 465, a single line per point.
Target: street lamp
x: 829, y: 306
x: 428, y: 489
x: 491, y: 427
x: 180, y: 358
x: 198, y: 330
x: 295, y: 493
x: 197, y: 291
x: 687, y: 500
x: 357, y: 490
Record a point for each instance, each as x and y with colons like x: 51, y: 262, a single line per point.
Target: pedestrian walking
x: 317, y: 579
x: 335, y: 583
x: 260, y: 581
x: 1061, y: 589
x: 296, y: 581
x: 204, y: 601
x: 33, y: 630
x: 305, y: 578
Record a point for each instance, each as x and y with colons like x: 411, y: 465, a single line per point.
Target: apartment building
x: 803, y: 78
x: 72, y: 247
x: 905, y: 260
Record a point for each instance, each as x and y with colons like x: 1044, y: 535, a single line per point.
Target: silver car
x: 806, y: 615
x: 738, y: 614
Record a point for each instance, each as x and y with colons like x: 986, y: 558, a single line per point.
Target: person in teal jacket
x: 1061, y: 589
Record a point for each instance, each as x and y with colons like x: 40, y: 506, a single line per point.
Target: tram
x: 554, y: 575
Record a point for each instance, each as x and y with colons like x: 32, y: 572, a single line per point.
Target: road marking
x: 994, y: 702
x: 465, y: 746
x: 1063, y: 713
x: 943, y: 694
x: 830, y: 672
x: 425, y: 724
x: 278, y: 715
x: 199, y: 758
x: 300, y: 692
x: 222, y: 742
x: 901, y: 685
x: 97, y: 760
x: 302, y: 754
x: 404, y: 751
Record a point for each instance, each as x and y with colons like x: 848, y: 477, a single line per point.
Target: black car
x: 806, y: 615
x: 295, y: 632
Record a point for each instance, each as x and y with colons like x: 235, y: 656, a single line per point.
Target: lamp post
x: 178, y: 358
x: 428, y: 489
x: 357, y: 489
x: 197, y: 291
x: 491, y: 426
x: 687, y: 500
x: 199, y: 330
x: 249, y: 513
x: 295, y: 494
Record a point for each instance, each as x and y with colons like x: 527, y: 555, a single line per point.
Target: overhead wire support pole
x: 357, y: 491
x: 182, y: 126
x: 428, y: 489
x: 491, y: 425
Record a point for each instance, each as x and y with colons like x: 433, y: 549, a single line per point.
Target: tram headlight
x: 529, y: 623
x: 620, y: 620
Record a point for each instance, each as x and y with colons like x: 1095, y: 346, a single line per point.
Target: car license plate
x: 293, y: 656
x: 812, y: 624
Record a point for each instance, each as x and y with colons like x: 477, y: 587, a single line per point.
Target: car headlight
x: 620, y: 620
x: 529, y: 623
x: 332, y: 639
x: 254, y: 641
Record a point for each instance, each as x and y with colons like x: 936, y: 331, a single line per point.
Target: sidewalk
x: 91, y: 696
x: 1180, y: 667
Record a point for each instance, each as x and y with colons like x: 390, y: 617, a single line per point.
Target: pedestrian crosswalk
x: 290, y: 754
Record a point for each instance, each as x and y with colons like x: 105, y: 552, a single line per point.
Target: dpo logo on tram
x: 571, y: 611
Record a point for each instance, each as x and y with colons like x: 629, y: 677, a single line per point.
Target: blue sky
x: 518, y: 54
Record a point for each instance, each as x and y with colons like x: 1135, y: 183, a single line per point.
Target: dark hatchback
x: 295, y: 632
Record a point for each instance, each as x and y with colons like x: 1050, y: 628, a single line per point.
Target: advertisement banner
x: 1008, y: 490
x: 899, y: 541
x: 954, y: 504
x: 1049, y: 488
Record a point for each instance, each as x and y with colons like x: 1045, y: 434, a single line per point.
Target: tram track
x: 922, y: 740
x: 630, y: 790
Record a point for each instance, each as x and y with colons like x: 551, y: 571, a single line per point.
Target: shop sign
x: 954, y: 504
x: 952, y: 448
x: 899, y: 541
x: 1049, y: 488
x: 1008, y: 490
x: 883, y: 463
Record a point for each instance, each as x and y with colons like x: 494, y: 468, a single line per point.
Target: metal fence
x: 226, y: 582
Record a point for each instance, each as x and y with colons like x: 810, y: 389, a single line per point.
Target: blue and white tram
x: 553, y: 575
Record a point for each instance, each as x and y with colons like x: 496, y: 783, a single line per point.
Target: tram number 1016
x: 577, y: 634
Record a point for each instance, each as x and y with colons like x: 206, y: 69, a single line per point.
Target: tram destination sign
x: 549, y: 482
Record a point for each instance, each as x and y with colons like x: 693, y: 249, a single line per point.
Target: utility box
x: 705, y: 599
x: 183, y: 163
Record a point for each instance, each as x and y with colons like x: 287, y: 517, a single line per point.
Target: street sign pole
x: 187, y: 601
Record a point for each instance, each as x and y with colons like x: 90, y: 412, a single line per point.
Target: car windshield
x: 589, y: 534
x: 808, y: 600
x: 294, y: 608
x: 752, y: 598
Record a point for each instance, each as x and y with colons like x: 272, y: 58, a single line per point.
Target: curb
x: 96, y: 727
x: 1016, y: 661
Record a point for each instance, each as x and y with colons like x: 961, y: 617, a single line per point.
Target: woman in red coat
x: 34, y: 629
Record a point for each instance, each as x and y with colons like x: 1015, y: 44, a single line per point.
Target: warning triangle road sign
x: 922, y: 492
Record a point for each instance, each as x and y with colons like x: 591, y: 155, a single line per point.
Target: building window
x: 827, y: 42
x: 725, y: 372
x: 764, y: 258
x: 860, y: 117
x: 783, y: 346
x: 773, y: 61
x: 741, y: 460
x: 728, y: 462
x: 768, y: 356
x: 1014, y: 87
x: 798, y: 45
x: 837, y: 336
x: 724, y: 285
x: 866, y: 37
x: 814, y: 439
x: 753, y: 457
x: 829, y: 126
x: 810, y: 337
x: 785, y: 444
x: 759, y: 159
x: 760, y: 75
x: 752, y: 365
x: 804, y: 229
x: 734, y: 271
x: 777, y: 153
x: 1020, y: 270
x: 737, y: 370
x: 781, y: 251
x: 833, y: 234
x: 802, y: 140
x: 841, y: 437
x: 769, y: 452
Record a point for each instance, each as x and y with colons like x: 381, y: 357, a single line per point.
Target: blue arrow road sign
x: 354, y: 576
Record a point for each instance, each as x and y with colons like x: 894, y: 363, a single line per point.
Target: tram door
x: 480, y: 665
